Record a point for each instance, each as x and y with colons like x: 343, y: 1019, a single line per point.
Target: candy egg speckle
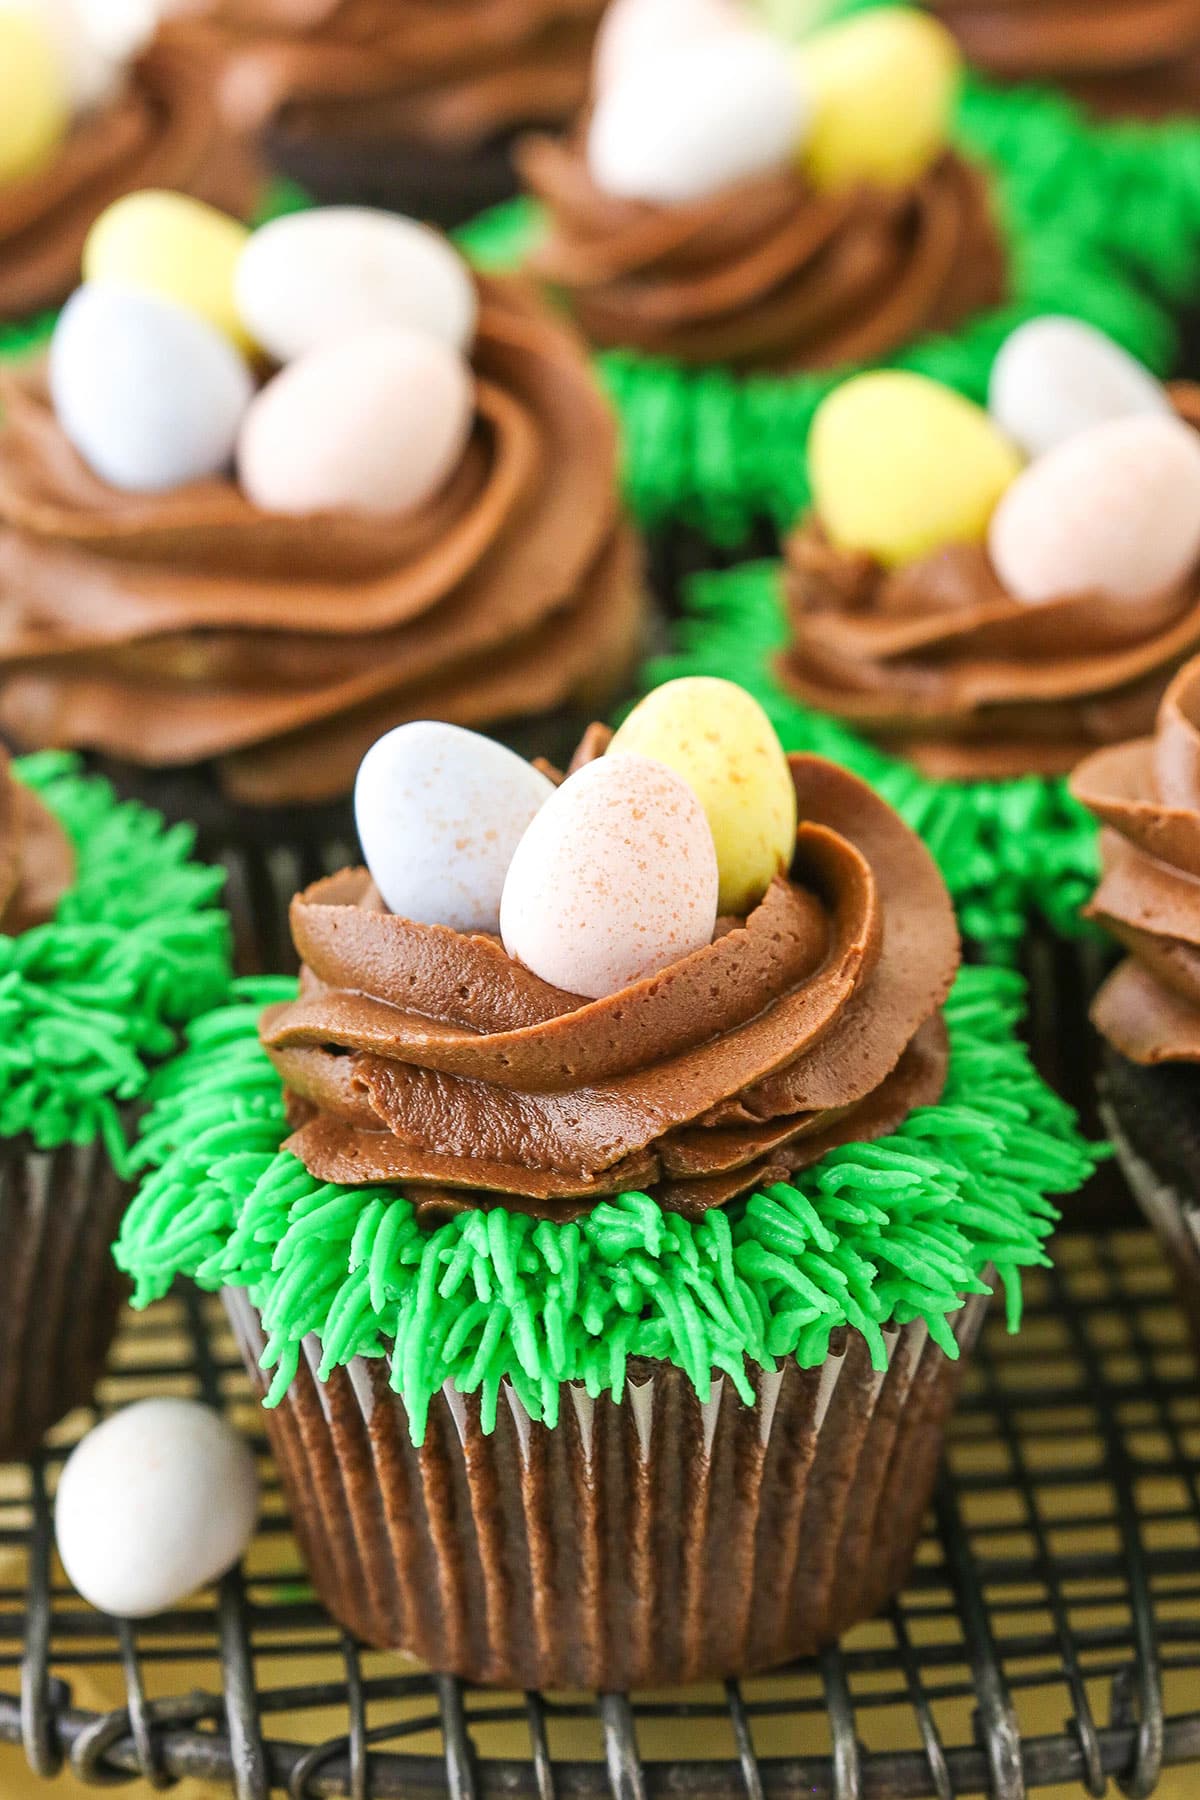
x: 718, y: 738
x: 884, y: 86
x: 440, y: 813
x: 155, y: 242
x: 1114, y: 511
x: 34, y: 102
x: 1056, y: 377
x: 687, y: 122
x: 311, y: 278
x: 374, y: 424
x: 615, y: 880
x: 149, y: 395
x: 156, y: 1502
x: 901, y: 467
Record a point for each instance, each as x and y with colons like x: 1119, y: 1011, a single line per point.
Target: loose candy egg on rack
x: 440, y: 813
x: 373, y: 424
x: 34, y: 94
x: 615, y: 879
x: 1056, y: 377
x: 157, y: 242
x: 718, y: 738
x: 308, y: 279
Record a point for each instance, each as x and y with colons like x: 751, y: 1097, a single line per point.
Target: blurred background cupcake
x: 91, y: 109
x: 412, y: 104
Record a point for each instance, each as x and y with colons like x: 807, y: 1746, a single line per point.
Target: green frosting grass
x: 717, y: 451
x: 876, y: 1234
x: 1007, y: 849
x: 137, y: 947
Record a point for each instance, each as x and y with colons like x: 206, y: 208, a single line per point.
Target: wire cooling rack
x: 1050, y: 1632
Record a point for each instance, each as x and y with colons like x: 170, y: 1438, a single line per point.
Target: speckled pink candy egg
x: 615, y: 879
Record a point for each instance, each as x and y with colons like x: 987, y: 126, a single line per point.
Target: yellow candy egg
x: 34, y: 105
x: 901, y: 466
x: 167, y: 244
x: 883, y: 86
x: 718, y: 738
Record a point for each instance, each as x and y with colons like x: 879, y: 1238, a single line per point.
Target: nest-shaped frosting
x: 938, y: 663
x: 1119, y: 55
x: 421, y: 1056
x: 768, y: 274
x: 1147, y: 794
x: 37, y: 863
x: 159, y: 132
x: 174, y: 629
x: 442, y: 72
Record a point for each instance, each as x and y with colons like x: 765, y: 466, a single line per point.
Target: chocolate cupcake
x: 112, y: 129
x: 1122, y: 57
x: 110, y: 939
x: 419, y: 527
x: 614, y: 1327
x: 1147, y: 797
x: 411, y: 104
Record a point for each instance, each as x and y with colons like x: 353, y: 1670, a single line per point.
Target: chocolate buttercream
x: 425, y: 1057
x: 452, y: 73
x: 37, y: 863
x: 1135, y: 56
x: 170, y: 630
x: 939, y: 664
x: 1147, y: 794
x: 768, y: 274
x: 159, y: 132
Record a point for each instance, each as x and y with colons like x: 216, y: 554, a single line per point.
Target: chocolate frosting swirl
x: 768, y: 274
x: 173, y: 629
x: 1147, y: 795
x: 938, y: 663
x: 159, y: 132
x: 441, y: 72
x: 1121, y: 55
x: 37, y: 863
x: 421, y: 1056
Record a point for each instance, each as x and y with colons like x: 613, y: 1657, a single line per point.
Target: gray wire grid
x: 1059, y: 1580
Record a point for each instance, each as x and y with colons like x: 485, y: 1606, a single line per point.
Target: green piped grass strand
x: 876, y: 1235
x: 138, y: 946
x: 1008, y: 849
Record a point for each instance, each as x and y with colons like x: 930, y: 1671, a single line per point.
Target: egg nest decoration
x: 1007, y: 849
x: 720, y: 452
x: 92, y: 999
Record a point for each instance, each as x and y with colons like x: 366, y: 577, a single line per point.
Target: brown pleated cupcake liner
x: 653, y: 1542
x: 445, y: 187
x: 59, y: 1289
x: 1152, y: 1116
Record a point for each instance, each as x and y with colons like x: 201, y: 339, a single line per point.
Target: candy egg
x: 374, y: 424
x: 1113, y: 511
x: 633, y: 30
x: 615, y: 880
x: 688, y: 122
x: 34, y: 101
x: 720, y: 740
x: 96, y: 40
x: 150, y: 395
x: 311, y: 278
x: 901, y: 466
x: 156, y: 1502
x: 1057, y: 377
x: 168, y: 244
x: 794, y: 19
x: 440, y: 813
x: 884, y: 86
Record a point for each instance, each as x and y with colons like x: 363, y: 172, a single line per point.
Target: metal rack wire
x: 1059, y: 1580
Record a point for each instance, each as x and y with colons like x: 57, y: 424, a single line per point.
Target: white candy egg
x: 633, y: 30
x: 372, y: 424
x: 155, y: 1503
x: 97, y: 40
x: 615, y: 880
x: 1114, y: 511
x: 1057, y: 377
x: 309, y: 279
x: 690, y: 121
x: 440, y: 813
